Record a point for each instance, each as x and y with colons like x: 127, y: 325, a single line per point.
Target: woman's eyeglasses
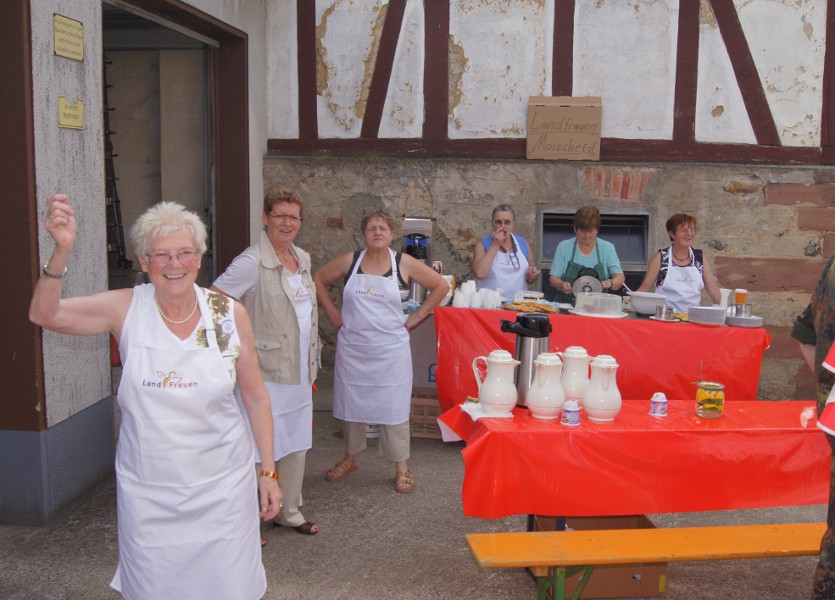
x: 184, y: 256
x: 280, y: 217
x: 500, y: 222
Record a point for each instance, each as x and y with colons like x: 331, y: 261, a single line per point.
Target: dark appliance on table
x: 533, y: 331
x: 417, y: 243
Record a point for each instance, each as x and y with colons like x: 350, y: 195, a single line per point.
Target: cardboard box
x: 617, y: 581
x: 564, y: 127
x: 423, y: 418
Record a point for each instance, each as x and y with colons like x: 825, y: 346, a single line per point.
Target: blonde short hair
x: 163, y: 220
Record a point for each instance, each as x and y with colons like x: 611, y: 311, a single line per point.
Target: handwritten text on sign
x: 563, y: 130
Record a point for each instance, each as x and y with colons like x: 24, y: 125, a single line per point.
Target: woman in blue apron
x: 585, y: 251
x: 187, y: 503
x: 680, y: 272
x: 502, y: 260
x: 373, y: 371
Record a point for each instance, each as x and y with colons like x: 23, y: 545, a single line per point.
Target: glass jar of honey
x: 710, y: 399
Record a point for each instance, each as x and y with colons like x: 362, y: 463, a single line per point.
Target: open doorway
x: 173, y: 27
x: 158, y: 127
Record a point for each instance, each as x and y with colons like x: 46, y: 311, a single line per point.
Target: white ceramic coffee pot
x: 546, y: 397
x: 602, y: 401
x: 497, y: 393
x: 575, y: 373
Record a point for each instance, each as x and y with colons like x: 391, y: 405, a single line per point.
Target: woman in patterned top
x: 680, y: 272
x: 187, y: 503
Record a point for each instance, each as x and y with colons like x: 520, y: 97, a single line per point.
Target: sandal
x: 306, y: 528
x: 340, y: 470
x: 403, y: 482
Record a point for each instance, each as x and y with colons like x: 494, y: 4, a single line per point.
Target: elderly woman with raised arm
x: 186, y: 499
x: 373, y: 373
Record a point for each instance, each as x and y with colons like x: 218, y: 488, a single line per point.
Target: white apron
x: 373, y: 374
x: 186, y: 493
x: 682, y: 286
x: 504, y: 275
x: 292, y: 405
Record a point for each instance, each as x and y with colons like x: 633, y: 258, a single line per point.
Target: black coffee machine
x: 533, y: 332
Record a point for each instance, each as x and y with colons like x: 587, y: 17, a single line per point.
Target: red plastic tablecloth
x: 758, y: 454
x: 653, y: 357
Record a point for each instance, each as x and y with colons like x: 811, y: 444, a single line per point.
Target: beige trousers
x: 394, y: 440
x: 291, y: 475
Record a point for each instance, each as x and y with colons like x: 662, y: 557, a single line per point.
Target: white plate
x: 673, y: 320
x: 563, y: 305
x: 583, y: 313
x: 752, y: 321
x: 705, y: 323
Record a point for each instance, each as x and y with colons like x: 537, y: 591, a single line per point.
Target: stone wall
x: 762, y: 227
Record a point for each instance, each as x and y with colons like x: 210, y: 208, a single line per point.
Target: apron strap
x: 208, y: 322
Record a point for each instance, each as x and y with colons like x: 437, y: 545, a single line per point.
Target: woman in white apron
x: 680, y: 272
x: 373, y: 373
x: 502, y: 259
x: 272, y: 278
x: 187, y: 504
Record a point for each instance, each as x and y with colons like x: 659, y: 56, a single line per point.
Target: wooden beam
x: 828, y: 101
x: 436, y: 70
x: 514, y: 148
x: 747, y: 76
x: 306, y: 41
x: 562, y: 63
x: 382, y: 69
x: 687, y: 71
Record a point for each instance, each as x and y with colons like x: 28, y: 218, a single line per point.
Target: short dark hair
x: 277, y: 195
x: 587, y: 218
x: 503, y: 208
x: 677, y: 220
x: 377, y: 214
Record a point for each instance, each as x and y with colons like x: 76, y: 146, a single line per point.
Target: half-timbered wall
x: 719, y: 108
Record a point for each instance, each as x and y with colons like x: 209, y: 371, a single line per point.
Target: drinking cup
x: 664, y: 313
x: 743, y: 310
x: 740, y: 295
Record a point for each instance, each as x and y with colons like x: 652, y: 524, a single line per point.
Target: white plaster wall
x: 721, y: 115
x: 792, y: 68
x: 501, y: 53
x: 506, y: 58
x: 69, y: 161
x: 346, y: 34
x: 625, y: 52
x: 282, y: 69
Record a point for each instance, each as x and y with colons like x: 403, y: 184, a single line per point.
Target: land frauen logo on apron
x: 369, y: 290
x: 169, y: 381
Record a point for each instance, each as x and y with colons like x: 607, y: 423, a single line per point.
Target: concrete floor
x: 376, y: 544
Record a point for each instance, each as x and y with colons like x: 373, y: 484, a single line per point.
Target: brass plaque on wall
x: 69, y: 37
x: 70, y: 115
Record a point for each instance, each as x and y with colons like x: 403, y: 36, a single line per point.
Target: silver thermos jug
x: 533, y: 332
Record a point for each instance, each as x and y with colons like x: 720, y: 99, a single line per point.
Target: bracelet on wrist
x: 272, y: 474
x: 52, y: 275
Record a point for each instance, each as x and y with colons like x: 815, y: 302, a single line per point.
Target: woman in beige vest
x: 272, y: 279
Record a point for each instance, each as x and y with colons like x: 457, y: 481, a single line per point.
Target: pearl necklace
x: 188, y: 318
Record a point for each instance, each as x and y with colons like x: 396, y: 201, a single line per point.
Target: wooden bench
x: 564, y: 553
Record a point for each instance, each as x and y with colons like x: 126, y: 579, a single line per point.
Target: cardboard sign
x: 564, y: 127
